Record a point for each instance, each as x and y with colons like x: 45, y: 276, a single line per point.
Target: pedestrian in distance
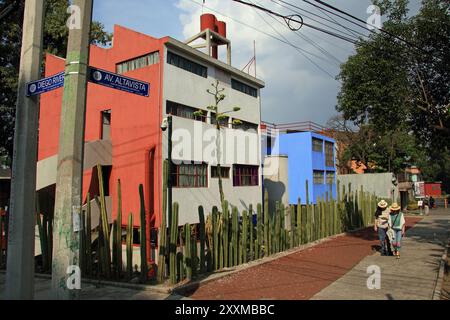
x: 397, y: 225
x: 381, y: 226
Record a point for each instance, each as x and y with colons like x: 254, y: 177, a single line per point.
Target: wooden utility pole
x: 69, y: 178
x: 20, y: 263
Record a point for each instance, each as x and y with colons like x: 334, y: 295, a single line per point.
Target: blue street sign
x: 45, y: 85
x: 119, y: 82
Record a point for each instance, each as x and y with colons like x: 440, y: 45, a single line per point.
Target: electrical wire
x: 309, y: 59
x: 262, y: 32
x: 355, y: 33
x: 291, y: 19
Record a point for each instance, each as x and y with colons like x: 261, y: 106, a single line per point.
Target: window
x: 186, y: 64
x: 242, y: 87
x: 106, y: 125
x: 318, y: 177
x: 246, y: 126
x: 329, y: 154
x: 138, y: 63
x: 225, y: 172
x: 330, y: 177
x: 317, y: 145
x: 183, y: 111
x: 223, y: 121
x: 190, y: 176
x: 244, y: 175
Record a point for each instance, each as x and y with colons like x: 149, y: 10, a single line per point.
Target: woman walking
x: 381, y: 225
x: 397, y: 224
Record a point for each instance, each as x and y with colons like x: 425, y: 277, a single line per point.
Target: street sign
x: 45, y: 85
x: 115, y: 81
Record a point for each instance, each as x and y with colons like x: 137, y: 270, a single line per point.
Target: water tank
x: 222, y: 28
x: 207, y: 21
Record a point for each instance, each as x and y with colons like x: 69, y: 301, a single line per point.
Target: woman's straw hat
x: 395, y: 207
x: 382, y: 204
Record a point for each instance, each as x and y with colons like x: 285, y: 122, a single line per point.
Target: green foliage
x: 398, y: 94
x: 55, y: 42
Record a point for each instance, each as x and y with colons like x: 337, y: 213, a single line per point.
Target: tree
x: 55, y: 42
x: 401, y: 89
x: 220, y: 116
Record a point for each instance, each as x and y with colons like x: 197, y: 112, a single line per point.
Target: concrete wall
x: 378, y: 183
x: 195, y: 141
x: 276, y: 182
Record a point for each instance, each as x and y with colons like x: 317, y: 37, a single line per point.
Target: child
x: 397, y: 223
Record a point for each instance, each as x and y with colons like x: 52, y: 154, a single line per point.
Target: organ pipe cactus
x: 88, y: 236
x: 235, y: 235
x: 162, y: 241
x: 105, y: 231
x: 119, y: 229
x: 173, y: 244
x: 226, y: 233
x: 251, y: 241
x: 259, y: 231
x: 215, y: 221
x: 202, y: 231
x: 266, y: 224
x: 143, y: 236
x: 188, y: 251
x: 244, y: 236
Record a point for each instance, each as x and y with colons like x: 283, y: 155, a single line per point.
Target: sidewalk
x: 413, y: 277
x: 93, y: 292
x: 297, y: 276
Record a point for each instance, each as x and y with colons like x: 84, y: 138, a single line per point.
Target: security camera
x: 164, y: 124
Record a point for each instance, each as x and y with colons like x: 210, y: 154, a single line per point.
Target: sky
x: 299, y: 68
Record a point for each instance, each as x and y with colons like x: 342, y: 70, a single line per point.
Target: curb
x: 440, y: 277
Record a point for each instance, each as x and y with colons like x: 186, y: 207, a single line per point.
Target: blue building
x: 311, y: 157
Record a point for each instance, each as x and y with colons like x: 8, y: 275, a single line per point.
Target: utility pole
x: 170, y: 173
x: 69, y: 179
x: 20, y: 263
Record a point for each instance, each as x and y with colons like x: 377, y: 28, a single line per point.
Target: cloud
x: 296, y: 89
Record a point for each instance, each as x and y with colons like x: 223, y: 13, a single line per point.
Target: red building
x: 433, y: 189
x: 123, y: 130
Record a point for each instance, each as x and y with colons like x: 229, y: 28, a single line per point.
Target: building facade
x: 123, y: 131
x: 310, y: 157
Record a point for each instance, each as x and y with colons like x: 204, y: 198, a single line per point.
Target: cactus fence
x: 224, y: 238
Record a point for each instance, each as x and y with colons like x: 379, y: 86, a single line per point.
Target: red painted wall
x: 433, y: 189
x: 135, y: 121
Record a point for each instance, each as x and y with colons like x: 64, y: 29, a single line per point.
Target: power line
x: 310, y: 60
x: 316, y: 15
x: 364, y: 22
x: 262, y: 32
x: 289, y: 19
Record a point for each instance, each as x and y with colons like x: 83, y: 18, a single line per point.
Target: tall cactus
x: 293, y: 231
x: 188, y: 251
x: 130, y: 241
x: 225, y: 233
x: 173, y: 244
x: 251, y: 241
x: 202, y: 231
x: 104, y: 226
x: 235, y: 236
x: 143, y: 236
x: 215, y: 222
x: 162, y: 234
x: 267, y: 230
x: 259, y: 231
x: 88, y: 236
x: 244, y: 236
x: 119, y: 230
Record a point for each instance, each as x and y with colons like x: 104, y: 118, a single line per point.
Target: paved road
x: 413, y: 277
x: 92, y: 292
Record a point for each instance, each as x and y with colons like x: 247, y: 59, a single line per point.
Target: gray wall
x: 378, y: 183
